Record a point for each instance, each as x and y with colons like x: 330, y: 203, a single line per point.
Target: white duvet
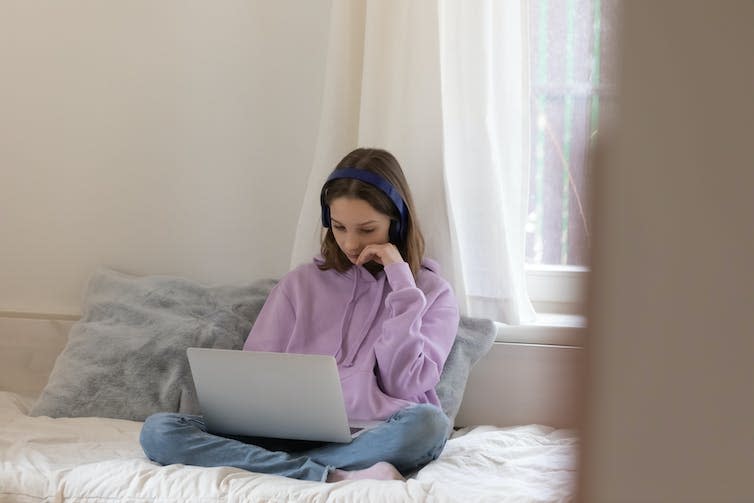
x: 99, y: 460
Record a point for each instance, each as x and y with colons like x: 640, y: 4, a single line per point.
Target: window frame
x: 557, y: 289
x: 558, y: 294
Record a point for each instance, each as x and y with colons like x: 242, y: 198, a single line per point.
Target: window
x: 571, y: 97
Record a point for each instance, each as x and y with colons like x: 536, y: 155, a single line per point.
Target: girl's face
x: 356, y: 224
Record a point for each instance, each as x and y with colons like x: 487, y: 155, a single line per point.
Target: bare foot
x: 378, y: 471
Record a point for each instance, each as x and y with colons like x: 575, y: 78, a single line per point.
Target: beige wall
x: 670, y: 409
x: 154, y: 137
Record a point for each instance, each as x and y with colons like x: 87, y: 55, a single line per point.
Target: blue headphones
x: 397, y: 232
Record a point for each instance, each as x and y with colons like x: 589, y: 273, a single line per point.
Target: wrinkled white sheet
x: 99, y: 460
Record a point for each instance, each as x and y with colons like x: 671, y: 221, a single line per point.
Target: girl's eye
x: 341, y: 228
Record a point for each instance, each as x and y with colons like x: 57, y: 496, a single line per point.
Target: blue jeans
x: 408, y: 440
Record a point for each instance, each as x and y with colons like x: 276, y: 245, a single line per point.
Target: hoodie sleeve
x: 417, y: 336
x: 274, y: 325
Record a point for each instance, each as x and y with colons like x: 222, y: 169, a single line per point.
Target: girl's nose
x: 352, y: 244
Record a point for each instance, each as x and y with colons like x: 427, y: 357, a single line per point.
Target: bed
x: 77, y: 439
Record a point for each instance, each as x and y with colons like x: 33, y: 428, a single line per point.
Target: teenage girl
x: 380, y: 308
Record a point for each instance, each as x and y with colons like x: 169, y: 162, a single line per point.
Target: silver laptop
x: 276, y: 395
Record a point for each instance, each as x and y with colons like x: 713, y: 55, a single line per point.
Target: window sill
x: 549, y: 329
x: 557, y: 289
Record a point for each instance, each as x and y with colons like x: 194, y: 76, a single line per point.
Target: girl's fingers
x: 383, y: 254
x: 368, y: 254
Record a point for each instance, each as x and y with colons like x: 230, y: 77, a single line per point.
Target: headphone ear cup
x: 325, y: 209
x: 325, y: 216
x: 394, y: 232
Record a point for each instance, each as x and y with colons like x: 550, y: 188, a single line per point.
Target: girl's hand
x: 384, y: 254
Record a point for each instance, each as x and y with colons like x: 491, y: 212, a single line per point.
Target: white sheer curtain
x: 420, y: 79
x: 485, y: 120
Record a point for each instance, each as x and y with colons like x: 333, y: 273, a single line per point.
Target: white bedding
x: 99, y: 460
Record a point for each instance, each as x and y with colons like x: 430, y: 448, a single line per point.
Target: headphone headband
x: 397, y: 229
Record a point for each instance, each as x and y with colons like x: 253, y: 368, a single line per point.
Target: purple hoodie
x: 389, y: 335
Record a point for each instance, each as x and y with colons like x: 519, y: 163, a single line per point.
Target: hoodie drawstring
x: 346, y: 355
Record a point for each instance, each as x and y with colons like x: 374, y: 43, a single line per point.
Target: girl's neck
x: 373, y: 267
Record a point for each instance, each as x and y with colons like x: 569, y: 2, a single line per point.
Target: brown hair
x: 384, y: 164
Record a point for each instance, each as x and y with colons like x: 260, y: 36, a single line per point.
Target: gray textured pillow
x: 126, y: 357
x: 474, y: 339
